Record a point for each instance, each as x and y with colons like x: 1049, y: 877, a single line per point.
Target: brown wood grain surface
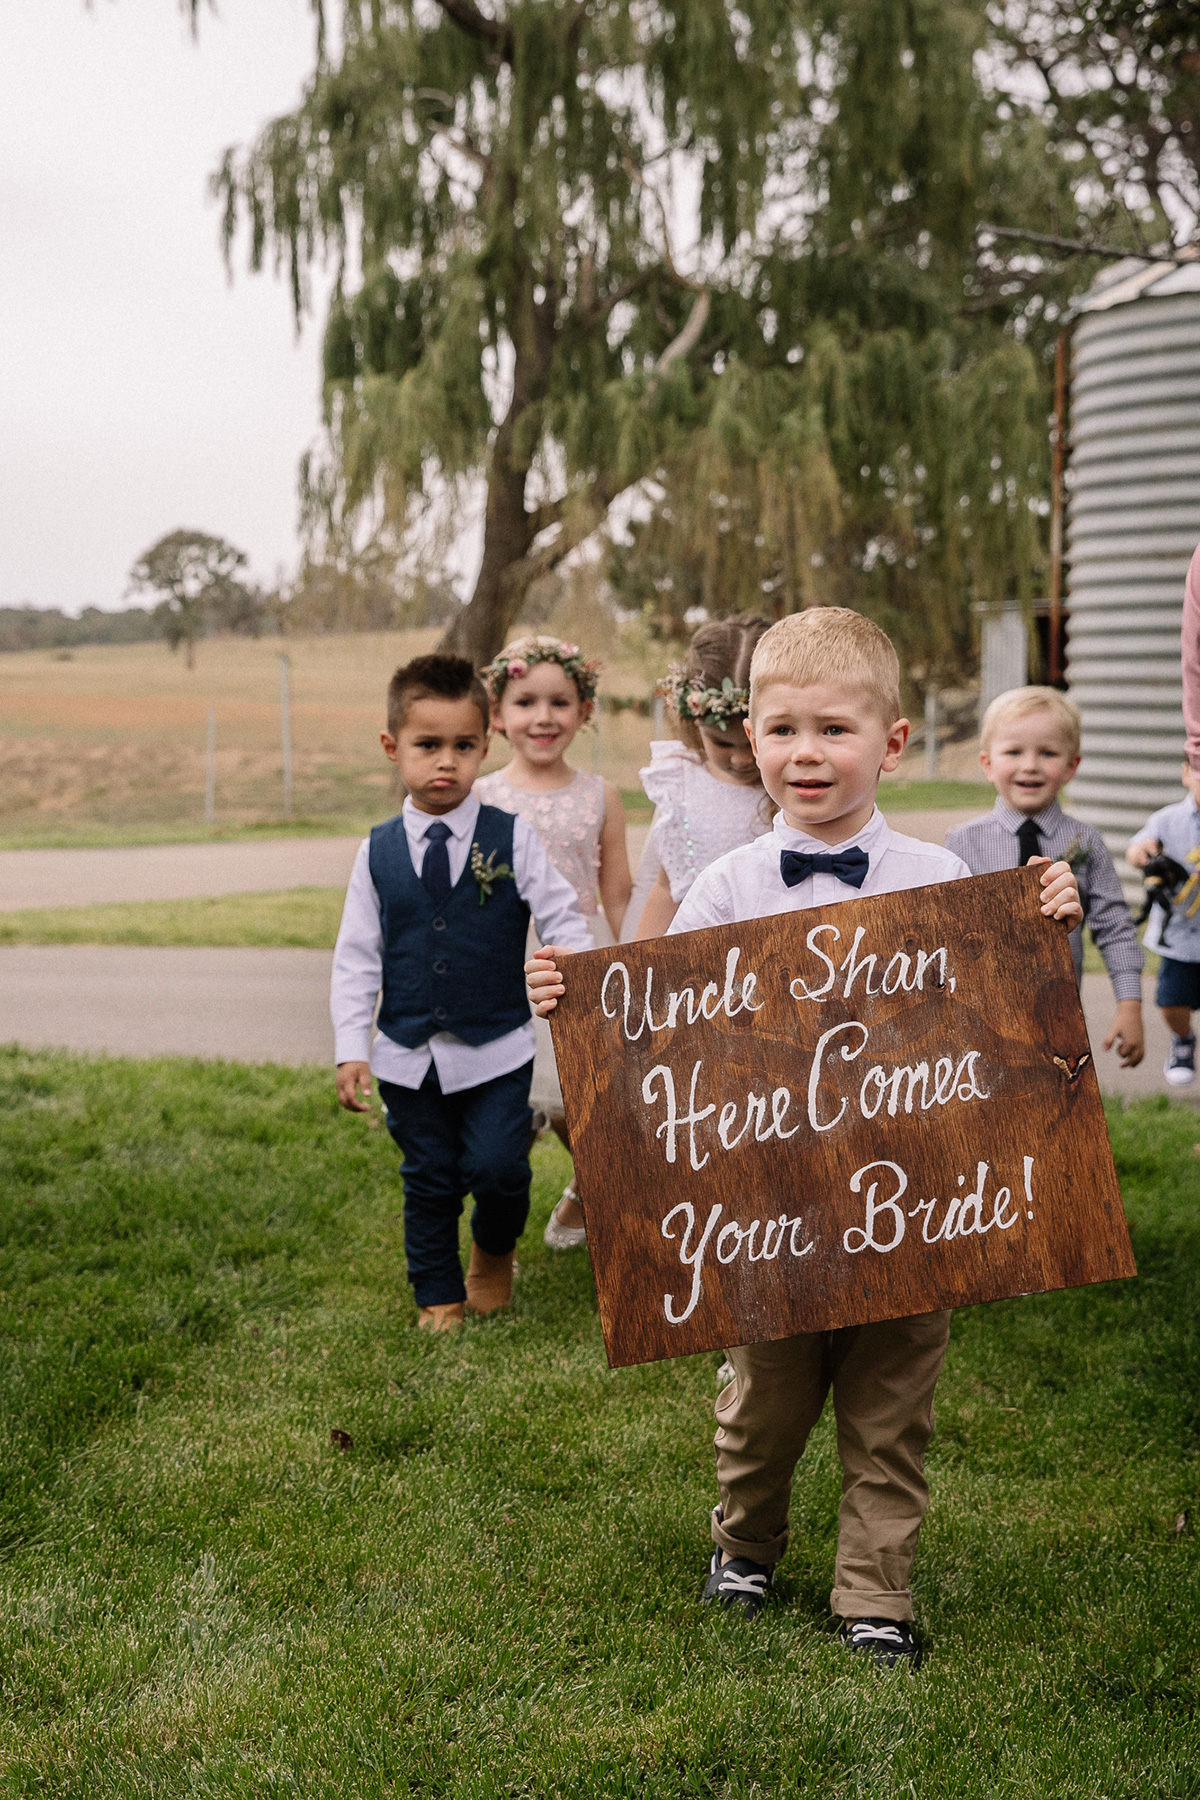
x: 828, y: 1117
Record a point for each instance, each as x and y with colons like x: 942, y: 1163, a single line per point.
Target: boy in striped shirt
x: 1029, y: 751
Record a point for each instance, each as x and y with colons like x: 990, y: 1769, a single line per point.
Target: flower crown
x: 692, y: 699
x: 517, y: 660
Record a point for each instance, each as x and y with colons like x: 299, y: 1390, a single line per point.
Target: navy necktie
x: 435, y: 870
x: 1029, y: 841
x: 849, y: 866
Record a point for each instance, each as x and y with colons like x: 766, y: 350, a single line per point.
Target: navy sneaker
x: 886, y: 1641
x: 740, y: 1583
x: 1180, y: 1066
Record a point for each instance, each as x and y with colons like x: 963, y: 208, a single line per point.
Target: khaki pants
x: 882, y: 1377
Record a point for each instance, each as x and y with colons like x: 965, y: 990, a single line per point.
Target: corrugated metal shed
x: 1133, y: 515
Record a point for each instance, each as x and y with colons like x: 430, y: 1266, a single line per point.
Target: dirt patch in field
x: 114, y: 737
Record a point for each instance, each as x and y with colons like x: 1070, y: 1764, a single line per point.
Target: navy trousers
x: 473, y: 1142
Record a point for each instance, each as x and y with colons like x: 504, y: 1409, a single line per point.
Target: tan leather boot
x: 441, y: 1318
x: 489, y: 1281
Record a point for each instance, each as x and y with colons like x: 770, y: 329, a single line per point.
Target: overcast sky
x: 140, y: 390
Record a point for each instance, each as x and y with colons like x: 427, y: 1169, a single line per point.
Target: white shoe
x: 563, y: 1237
x: 1180, y: 1066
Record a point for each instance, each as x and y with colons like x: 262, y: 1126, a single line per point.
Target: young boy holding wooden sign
x: 824, y: 722
x: 434, y: 931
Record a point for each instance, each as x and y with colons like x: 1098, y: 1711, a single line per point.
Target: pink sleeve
x: 1191, y: 661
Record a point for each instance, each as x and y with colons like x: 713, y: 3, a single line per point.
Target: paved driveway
x: 250, y: 1005
x: 35, y: 878
x: 266, y: 1005
x: 272, y: 1006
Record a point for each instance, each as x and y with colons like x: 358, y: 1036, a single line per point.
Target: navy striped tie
x: 435, y: 870
x: 1029, y: 841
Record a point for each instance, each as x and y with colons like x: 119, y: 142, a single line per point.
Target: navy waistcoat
x: 455, y: 965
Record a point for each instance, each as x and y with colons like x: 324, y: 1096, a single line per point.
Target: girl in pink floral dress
x: 542, y: 692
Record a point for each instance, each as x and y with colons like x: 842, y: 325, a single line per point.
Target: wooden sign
x: 828, y: 1117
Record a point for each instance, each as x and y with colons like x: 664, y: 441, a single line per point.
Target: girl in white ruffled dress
x: 705, y: 786
x: 542, y: 691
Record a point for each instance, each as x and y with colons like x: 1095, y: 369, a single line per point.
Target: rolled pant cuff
x: 435, y: 1292
x: 871, y: 1603
x: 767, y: 1553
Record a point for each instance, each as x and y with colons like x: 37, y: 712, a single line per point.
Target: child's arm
x: 615, y: 883
x: 354, y: 985
x: 1112, y: 931
x: 659, y: 909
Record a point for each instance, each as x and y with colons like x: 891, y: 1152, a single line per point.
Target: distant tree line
x: 32, y: 628
x: 203, y: 591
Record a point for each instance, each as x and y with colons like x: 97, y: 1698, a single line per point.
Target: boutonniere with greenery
x: 488, y: 873
x: 1076, y: 855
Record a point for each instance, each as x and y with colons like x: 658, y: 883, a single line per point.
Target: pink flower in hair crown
x: 718, y: 707
x: 514, y: 665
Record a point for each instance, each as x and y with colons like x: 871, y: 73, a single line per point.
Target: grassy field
x: 105, y: 743
x: 491, y: 1590
x: 295, y: 918
x: 108, y: 743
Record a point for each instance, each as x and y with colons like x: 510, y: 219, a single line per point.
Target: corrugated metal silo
x: 1133, y: 523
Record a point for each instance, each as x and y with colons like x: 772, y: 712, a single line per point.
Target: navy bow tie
x: 849, y: 866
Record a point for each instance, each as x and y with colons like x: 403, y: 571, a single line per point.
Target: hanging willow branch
x: 1085, y: 247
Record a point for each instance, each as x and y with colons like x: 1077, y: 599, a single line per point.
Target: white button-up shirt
x: 358, y: 957
x: 748, y: 883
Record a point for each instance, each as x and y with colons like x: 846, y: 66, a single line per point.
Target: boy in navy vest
x: 435, y: 921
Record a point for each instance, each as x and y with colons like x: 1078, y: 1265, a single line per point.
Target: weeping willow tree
x: 724, y: 255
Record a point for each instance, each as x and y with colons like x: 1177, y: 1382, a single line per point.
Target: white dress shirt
x: 748, y: 884
x: 358, y: 957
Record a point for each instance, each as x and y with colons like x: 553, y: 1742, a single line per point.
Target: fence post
x: 285, y: 733
x: 659, y: 728
x: 210, y: 768
x: 596, y: 737
x: 931, y: 728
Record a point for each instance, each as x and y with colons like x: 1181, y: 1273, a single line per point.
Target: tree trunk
x: 505, y: 573
x: 189, y: 652
x: 482, y: 625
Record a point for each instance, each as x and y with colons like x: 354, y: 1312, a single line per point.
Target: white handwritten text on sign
x: 816, y: 1119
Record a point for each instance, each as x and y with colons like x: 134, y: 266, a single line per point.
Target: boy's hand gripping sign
x: 829, y: 1117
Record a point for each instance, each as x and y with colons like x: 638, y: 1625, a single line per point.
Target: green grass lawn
x: 493, y: 1591
x: 304, y: 918
x: 88, y: 836
x: 900, y: 795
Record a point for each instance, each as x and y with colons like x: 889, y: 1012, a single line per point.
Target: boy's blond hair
x: 829, y: 643
x: 1019, y: 703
